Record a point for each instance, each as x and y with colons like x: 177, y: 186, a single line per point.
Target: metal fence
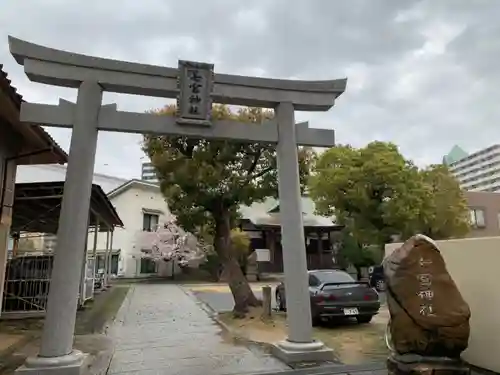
x: 28, y: 273
x: 27, y: 281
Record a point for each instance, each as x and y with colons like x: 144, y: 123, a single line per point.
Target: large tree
x: 373, y: 190
x: 205, y: 181
x: 447, y: 213
x: 377, y: 194
x: 352, y: 252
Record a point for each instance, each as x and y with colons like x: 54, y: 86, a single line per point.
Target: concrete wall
x: 474, y: 263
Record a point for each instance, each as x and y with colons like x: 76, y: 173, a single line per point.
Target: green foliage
x: 373, y: 190
x: 240, y: 242
x: 446, y: 214
x: 352, y: 252
x: 377, y: 193
x: 212, y: 266
x: 203, y: 178
x: 241, y: 246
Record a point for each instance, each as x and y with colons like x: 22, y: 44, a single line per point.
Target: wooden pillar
x: 105, y: 278
x: 320, y: 248
x: 330, y: 247
x: 269, y: 244
x: 94, y: 247
x: 83, y: 271
x: 264, y: 267
x: 15, y: 244
x: 7, y: 184
x: 110, y: 257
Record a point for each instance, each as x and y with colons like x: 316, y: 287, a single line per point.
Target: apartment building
x: 479, y: 171
x: 484, y: 209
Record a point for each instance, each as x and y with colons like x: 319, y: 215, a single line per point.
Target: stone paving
x: 161, y: 330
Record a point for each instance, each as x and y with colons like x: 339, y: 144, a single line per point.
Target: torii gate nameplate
x: 194, y: 102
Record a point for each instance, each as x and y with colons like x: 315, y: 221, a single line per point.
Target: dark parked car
x: 336, y: 294
x: 376, y: 277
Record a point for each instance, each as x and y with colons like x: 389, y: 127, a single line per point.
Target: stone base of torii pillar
x: 71, y: 364
x: 294, y: 352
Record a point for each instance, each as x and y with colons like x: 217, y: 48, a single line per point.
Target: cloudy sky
x: 423, y: 74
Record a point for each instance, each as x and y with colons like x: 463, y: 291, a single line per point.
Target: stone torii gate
x: 195, y: 86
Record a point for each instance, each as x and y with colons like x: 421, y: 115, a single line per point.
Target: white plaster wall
x: 129, y: 206
x: 473, y: 264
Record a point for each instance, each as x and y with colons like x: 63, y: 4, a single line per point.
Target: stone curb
x: 264, y: 346
x: 99, y: 362
x: 102, y: 361
x: 204, y: 306
x: 214, y: 315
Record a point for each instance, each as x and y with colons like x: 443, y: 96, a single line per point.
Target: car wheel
x: 279, y: 302
x: 380, y: 285
x: 364, y: 319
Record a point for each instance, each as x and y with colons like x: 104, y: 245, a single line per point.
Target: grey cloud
x: 408, y: 82
x: 305, y: 38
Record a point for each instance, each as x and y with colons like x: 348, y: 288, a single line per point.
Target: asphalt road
x: 223, y: 301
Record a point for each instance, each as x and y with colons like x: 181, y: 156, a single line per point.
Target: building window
x: 477, y: 218
x: 150, y: 222
x: 148, y: 266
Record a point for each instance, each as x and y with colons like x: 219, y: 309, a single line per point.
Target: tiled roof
x: 17, y: 99
x: 266, y: 213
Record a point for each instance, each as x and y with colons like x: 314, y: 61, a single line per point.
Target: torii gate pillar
x: 91, y: 76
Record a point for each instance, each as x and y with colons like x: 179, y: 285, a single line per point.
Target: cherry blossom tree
x: 171, y: 243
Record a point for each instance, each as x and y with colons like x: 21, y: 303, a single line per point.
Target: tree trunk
x: 240, y: 289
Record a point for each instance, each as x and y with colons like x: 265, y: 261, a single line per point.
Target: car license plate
x: 352, y: 311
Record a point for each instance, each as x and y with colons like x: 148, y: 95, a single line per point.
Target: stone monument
x: 195, y: 86
x: 429, y: 319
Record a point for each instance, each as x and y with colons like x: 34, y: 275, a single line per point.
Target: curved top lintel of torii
x: 61, y: 68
